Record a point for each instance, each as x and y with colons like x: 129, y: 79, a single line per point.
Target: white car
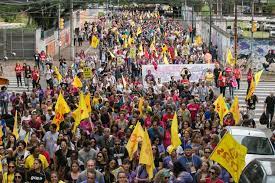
x: 257, y: 143
x: 272, y: 33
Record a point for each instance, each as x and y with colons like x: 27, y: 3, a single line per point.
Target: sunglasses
x: 17, y: 177
x: 117, y: 144
x: 166, y: 178
x: 207, y: 152
x: 212, y: 172
x: 11, y: 166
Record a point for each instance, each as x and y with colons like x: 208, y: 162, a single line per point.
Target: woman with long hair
x: 74, y: 172
x: 35, y: 77
x: 11, y: 143
x: 18, y: 70
x: 28, y: 75
x: 214, y: 173
x: 8, y: 177
x: 60, y: 158
x: 19, y: 177
x: 37, y: 175
x: 202, y: 173
x: 100, y: 162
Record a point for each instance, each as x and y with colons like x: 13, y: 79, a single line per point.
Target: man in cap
x: 168, y: 161
x: 190, y: 161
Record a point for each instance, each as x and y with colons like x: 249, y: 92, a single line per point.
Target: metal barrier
x: 17, y: 43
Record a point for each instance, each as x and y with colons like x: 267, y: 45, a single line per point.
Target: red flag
x: 146, y: 54
x: 155, y: 65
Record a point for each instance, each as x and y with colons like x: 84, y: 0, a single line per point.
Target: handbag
x: 263, y: 119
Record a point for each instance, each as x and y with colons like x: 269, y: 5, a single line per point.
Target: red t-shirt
x: 193, y: 108
x: 18, y: 70
x: 35, y: 75
x: 228, y: 70
x: 47, y: 156
x: 249, y: 77
x: 208, y: 180
x: 167, y: 117
x: 237, y: 73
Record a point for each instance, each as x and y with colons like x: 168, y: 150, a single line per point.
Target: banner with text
x: 165, y: 72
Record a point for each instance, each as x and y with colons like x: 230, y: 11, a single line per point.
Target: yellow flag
x: 1, y: 131
x: 229, y: 59
x: 95, y: 42
x: 125, y: 43
x: 231, y: 155
x: 1, y: 135
x: 165, y: 60
x: 1, y: 167
x: 88, y: 102
x: 139, y: 30
x: 59, y: 76
x: 76, y: 114
x: 175, y: 140
x: 83, y: 107
x: 15, y: 126
x: 198, y: 40
x: 77, y: 83
x: 258, y: 77
x: 140, y: 105
x: 112, y: 55
x: 124, y: 81
x: 140, y: 49
x: 152, y: 47
x: 234, y: 109
x: 146, y: 155
x: 176, y: 52
x: 81, y: 112
x: 26, y: 139
x: 136, y: 136
x: 61, y: 108
x: 130, y: 41
x: 164, y: 49
x: 251, y: 89
x: 221, y: 108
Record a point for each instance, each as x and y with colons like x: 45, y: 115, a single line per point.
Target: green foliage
x: 8, y: 12
x: 205, y: 10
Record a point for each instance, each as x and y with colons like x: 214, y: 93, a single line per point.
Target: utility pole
x: 192, y: 33
x: 185, y: 9
x: 252, y: 24
x: 72, y: 30
x: 236, y: 33
x: 5, y: 42
x: 59, y: 41
x: 210, y: 23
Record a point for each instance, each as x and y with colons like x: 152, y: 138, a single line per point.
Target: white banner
x: 165, y: 72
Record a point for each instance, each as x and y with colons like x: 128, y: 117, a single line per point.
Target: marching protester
x: 112, y: 117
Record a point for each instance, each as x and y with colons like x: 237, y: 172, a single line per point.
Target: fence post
x: 4, y: 42
x: 23, y: 50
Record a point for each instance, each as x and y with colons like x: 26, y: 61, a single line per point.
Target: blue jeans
x: 4, y: 107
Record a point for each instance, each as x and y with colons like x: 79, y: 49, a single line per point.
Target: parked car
x: 272, y: 33
x: 260, y: 170
x: 269, y: 26
x: 257, y: 143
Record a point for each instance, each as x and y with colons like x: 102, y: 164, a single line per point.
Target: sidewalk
x: 66, y: 52
x: 9, y: 65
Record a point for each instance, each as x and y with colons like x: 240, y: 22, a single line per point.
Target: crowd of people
x: 45, y: 151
